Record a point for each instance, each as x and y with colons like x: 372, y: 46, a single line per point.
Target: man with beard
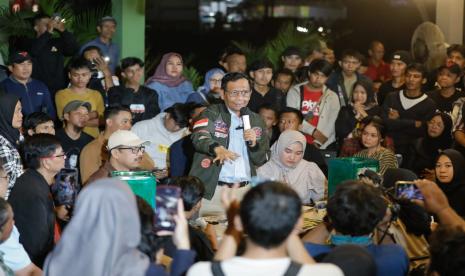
x: 72, y: 137
x: 126, y: 151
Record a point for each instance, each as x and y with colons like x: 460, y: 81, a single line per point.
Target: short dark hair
x: 39, y: 146
x: 191, y: 107
x: 131, y: 61
x: 297, y: 113
x: 79, y: 63
x: 356, y: 208
x: 320, y: 65
x: 417, y: 67
x: 179, y: 113
x: 229, y: 51
x: 456, y: 48
x: 447, y: 250
x: 269, y: 213
x: 271, y: 107
x: 92, y: 48
x: 114, y: 110
x: 231, y: 77
x: 34, y: 119
x: 284, y: 71
x: 39, y: 17
x: 376, y: 122
x: 351, y: 53
x: 192, y: 190
x: 261, y: 64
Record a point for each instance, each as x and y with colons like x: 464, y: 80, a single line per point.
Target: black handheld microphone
x: 245, y: 122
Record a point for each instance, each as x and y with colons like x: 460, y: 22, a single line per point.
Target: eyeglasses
x: 135, y: 150
x: 243, y: 93
x: 63, y: 155
x: 218, y: 81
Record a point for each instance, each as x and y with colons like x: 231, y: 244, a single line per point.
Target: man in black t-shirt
x: 261, y: 71
x: 72, y: 138
x: 447, y: 94
x: 399, y: 62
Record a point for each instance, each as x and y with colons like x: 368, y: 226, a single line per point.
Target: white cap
x: 125, y: 138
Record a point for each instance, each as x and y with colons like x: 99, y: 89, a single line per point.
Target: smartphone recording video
x: 166, y: 207
x: 408, y: 190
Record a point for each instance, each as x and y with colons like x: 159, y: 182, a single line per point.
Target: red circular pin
x: 205, y: 163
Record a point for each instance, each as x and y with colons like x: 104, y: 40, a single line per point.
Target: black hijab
x: 432, y: 146
x: 7, y: 109
x: 455, y: 190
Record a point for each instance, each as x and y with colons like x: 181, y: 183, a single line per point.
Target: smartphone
x: 65, y: 188
x: 408, y: 190
x: 166, y: 207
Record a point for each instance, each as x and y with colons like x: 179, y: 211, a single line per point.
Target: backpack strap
x: 293, y: 269
x: 301, y: 97
x: 216, y: 268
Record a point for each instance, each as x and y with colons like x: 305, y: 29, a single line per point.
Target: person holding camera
x: 49, y: 51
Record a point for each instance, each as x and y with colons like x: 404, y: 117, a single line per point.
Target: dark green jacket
x: 212, y: 130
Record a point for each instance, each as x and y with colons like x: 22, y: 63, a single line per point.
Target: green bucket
x: 142, y: 183
x: 347, y: 168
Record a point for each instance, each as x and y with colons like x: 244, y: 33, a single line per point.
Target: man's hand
x: 222, y: 154
x: 181, y: 231
x: 62, y: 212
x: 393, y: 114
x: 51, y: 25
x: 435, y: 200
x: 160, y: 173
x: 102, y: 66
x: 60, y: 25
x: 418, y: 124
x: 318, y: 135
x: 250, y: 135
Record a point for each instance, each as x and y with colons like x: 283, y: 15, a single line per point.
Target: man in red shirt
x: 378, y: 70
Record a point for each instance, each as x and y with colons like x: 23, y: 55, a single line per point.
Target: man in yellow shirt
x: 79, y: 75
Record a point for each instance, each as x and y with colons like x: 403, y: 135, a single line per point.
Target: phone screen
x: 65, y: 189
x: 408, y: 190
x: 166, y: 207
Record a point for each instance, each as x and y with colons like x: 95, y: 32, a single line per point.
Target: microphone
x: 245, y: 122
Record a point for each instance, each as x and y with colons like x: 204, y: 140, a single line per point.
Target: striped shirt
x: 386, y: 158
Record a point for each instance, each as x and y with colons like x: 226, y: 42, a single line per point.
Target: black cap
x: 453, y: 68
x: 19, y: 57
x: 403, y: 56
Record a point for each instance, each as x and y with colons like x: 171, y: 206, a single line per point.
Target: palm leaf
x: 192, y: 75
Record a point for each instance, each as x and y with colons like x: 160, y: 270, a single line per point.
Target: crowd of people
x: 250, y: 146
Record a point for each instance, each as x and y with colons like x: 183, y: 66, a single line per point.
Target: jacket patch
x: 258, y: 132
x: 221, y: 129
x: 201, y: 123
x: 206, y: 163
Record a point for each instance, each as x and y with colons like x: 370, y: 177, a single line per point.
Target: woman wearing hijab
x: 103, y: 235
x: 450, y: 177
x: 172, y: 87
x: 362, y: 105
x: 11, y: 120
x: 210, y: 92
x: 426, y: 149
x: 287, y: 165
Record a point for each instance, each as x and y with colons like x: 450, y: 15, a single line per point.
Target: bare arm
x: 30, y: 270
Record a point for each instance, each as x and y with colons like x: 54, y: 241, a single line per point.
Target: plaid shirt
x: 11, y: 163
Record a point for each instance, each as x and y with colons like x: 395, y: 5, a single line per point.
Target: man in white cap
x: 126, y: 151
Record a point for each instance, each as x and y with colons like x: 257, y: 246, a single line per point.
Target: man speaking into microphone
x: 229, y: 142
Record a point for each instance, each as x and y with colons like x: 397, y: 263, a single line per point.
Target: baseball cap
x: 453, y: 68
x: 403, y: 56
x: 125, y: 138
x: 73, y: 105
x: 106, y: 18
x: 292, y: 50
x: 19, y: 57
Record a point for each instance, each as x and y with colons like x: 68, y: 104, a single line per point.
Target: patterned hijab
x: 162, y: 76
x: 103, y: 235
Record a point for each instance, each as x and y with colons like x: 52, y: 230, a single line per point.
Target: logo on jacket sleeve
x: 201, y: 123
